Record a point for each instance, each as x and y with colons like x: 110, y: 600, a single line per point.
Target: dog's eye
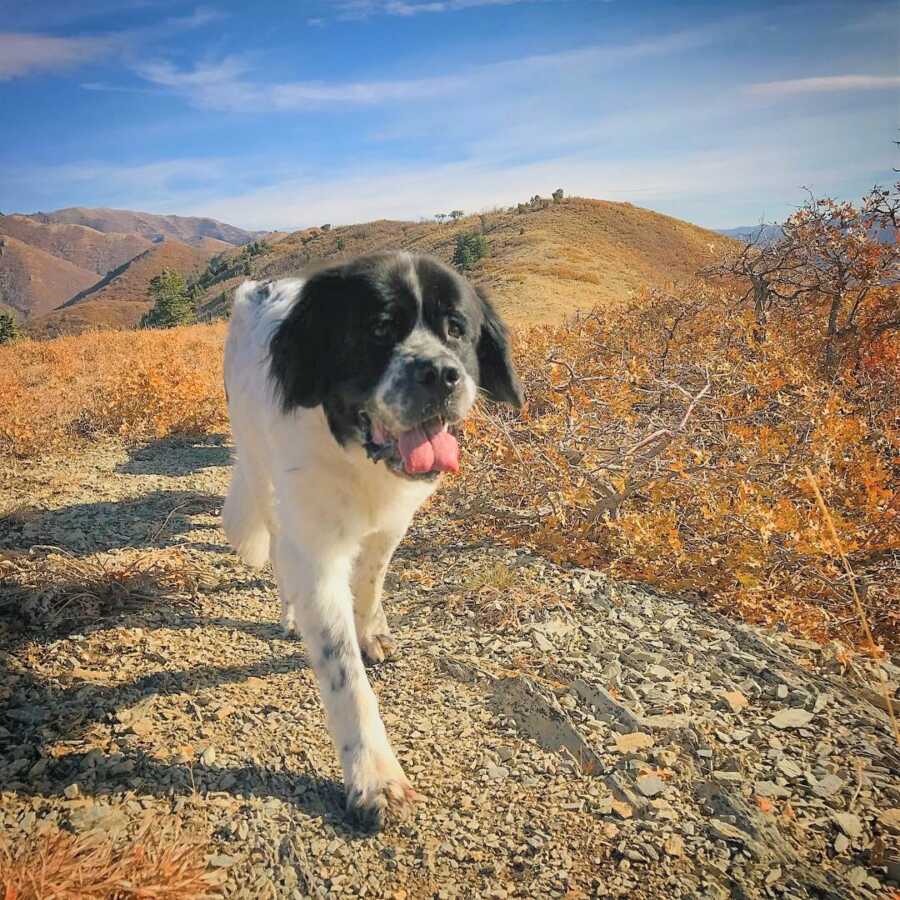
x: 455, y: 328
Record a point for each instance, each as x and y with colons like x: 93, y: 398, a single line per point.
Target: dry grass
x: 137, y: 385
x: 51, y: 586
x: 157, y: 864
x: 661, y: 442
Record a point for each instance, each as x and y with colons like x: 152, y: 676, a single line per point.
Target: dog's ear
x: 305, y: 349
x: 497, y: 376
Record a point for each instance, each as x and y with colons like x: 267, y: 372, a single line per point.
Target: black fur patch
x: 338, y: 340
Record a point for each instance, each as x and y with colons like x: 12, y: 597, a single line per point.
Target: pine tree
x: 173, y: 303
x: 469, y: 249
x: 9, y: 329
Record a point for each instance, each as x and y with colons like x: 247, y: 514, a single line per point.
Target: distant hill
x: 760, y: 234
x: 545, y: 262
x: 34, y: 281
x: 85, y: 247
x: 189, y: 229
x: 121, y: 298
x: 99, y: 243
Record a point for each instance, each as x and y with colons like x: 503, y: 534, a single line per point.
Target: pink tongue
x: 428, y: 449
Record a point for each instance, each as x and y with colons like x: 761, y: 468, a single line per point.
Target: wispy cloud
x: 363, y: 9
x: 222, y: 85
x: 825, y: 84
x: 229, y: 85
x: 26, y: 54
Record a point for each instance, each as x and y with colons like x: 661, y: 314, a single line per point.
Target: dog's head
x: 395, y: 347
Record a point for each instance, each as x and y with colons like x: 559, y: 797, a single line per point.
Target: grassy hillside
x: 84, y: 247
x: 120, y: 299
x: 543, y: 264
x: 33, y: 281
x: 189, y: 229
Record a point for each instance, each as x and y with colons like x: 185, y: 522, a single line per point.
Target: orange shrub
x: 665, y: 443
x: 662, y: 440
x: 131, y: 384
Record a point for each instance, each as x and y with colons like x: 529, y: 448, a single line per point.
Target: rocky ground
x: 573, y: 737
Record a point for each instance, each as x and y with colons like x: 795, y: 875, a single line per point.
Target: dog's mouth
x: 422, y: 452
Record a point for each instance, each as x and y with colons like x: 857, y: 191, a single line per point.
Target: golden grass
x: 50, y: 585
x: 136, y: 385
x: 661, y: 442
x: 156, y: 864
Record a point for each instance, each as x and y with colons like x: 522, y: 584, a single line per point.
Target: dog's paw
x: 377, y: 789
x: 371, y: 806
x: 377, y: 648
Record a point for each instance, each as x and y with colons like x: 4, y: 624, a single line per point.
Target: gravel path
x: 573, y: 737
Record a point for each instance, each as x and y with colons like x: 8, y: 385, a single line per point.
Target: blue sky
x: 286, y: 114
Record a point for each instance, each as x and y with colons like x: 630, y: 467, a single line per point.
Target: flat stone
x: 828, y: 786
x: 849, y: 823
x: 633, y: 742
x: 735, y: 700
x: 650, y: 785
x: 890, y: 819
x: 791, y: 717
x: 789, y: 768
x: 770, y: 789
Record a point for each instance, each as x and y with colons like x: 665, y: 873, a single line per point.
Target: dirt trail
x: 574, y: 737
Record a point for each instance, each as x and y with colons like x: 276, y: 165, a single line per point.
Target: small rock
x: 828, y: 786
x: 674, y: 845
x: 841, y: 844
x: 770, y: 789
x: 497, y: 772
x: 791, y: 718
x: 72, y: 792
x: 208, y: 756
x: 890, y: 819
x: 633, y: 742
x: 849, y: 823
x: 736, y: 700
x: 650, y: 785
x: 789, y: 768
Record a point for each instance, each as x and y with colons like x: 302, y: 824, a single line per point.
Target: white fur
x: 329, y: 519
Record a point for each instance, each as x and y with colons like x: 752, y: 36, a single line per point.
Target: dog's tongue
x: 428, y: 448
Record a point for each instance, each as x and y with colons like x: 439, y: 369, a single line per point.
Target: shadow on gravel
x: 177, y: 456
x: 39, y: 712
x: 155, y: 519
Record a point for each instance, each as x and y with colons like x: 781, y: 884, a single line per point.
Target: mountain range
x: 55, y: 260
x: 77, y: 268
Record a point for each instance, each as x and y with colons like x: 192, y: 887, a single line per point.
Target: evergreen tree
x: 469, y: 249
x: 9, y: 329
x: 173, y: 303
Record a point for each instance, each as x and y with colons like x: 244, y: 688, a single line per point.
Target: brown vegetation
x: 121, y: 298
x: 84, y: 247
x: 666, y: 439
x: 33, y: 281
x: 156, y: 864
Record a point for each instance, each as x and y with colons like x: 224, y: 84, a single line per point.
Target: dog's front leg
x: 316, y: 586
x: 371, y: 565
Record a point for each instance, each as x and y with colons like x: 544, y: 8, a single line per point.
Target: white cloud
x: 825, y: 84
x: 228, y: 85
x: 222, y: 86
x: 25, y: 54
x: 680, y: 187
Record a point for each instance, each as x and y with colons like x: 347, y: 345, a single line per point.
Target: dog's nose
x: 436, y: 375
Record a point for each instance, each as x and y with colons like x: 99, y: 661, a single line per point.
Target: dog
x: 344, y: 388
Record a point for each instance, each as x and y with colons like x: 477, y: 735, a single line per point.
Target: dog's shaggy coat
x: 341, y: 388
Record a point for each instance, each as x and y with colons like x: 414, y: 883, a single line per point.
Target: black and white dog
x: 341, y: 389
